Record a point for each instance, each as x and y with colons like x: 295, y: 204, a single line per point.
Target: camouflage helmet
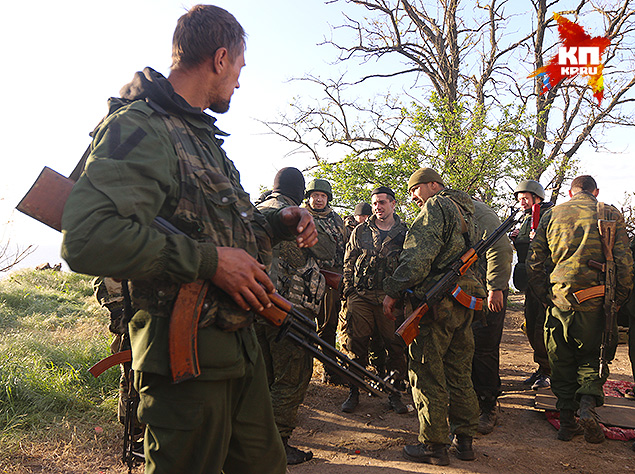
x: 321, y: 185
x: 530, y: 186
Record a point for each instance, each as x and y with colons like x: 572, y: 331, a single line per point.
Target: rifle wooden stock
x: 409, y: 330
x: 333, y: 279
x: 46, y: 199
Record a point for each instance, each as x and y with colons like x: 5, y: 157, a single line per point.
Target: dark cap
x: 290, y: 182
x: 363, y: 209
x: 424, y: 175
x: 383, y: 189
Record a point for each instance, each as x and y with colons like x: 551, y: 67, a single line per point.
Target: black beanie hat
x: 363, y: 209
x: 383, y: 189
x: 290, y: 182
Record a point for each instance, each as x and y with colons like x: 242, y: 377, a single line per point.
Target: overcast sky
x: 63, y: 59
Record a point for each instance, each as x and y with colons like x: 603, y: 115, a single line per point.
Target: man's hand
x: 389, y: 307
x: 514, y: 233
x: 300, y: 222
x: 243, y: 278
x: 495, y: 300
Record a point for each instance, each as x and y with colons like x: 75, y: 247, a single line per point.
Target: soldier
x: 371, y: 256
x: 559, y: 273
x: 528, y: 193
x: 318, y: 196
x: 296, y: 276
x: 362, y: 212
x: 440, y: 357
x: 495, y: 271
x: 158, y: 154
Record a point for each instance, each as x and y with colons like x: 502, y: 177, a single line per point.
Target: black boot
x: 589, y: 420
x: 294, y: 455
x: 396, y: 404
x: 463, y: 446
x: 569, y: 426
x: 488, y: 417
x: 435, y: 453
x: 352, y: 401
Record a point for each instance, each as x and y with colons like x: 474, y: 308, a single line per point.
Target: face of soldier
x: 360, y: 219
x: 526, y: 200
x: 422, y: 192
x: 220, y: 95
x: 318, y: 200
x: 383, y: 206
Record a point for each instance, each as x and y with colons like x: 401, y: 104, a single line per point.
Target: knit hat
x: 384, y: 190
x: 363, y: 209
x: 290, y: 182
x: 424, y: 175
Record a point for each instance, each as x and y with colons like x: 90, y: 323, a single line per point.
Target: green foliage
x: 53, y: 331
x: 475, y: 149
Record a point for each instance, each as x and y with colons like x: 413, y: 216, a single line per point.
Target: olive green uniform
x: 297, y: 278
x: 367, y: 262
x: 440, y: 357
x: 533, y: 309
x: 566, y: 239
x: 495, y: 271
x: 155, y: 155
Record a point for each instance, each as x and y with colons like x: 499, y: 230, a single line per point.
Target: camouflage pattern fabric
x: 440, y: 363
x: 440, y: 357
x: 333, y: 224
x: 566, y: 238
x: 368, y: 260
x: 212, y: 207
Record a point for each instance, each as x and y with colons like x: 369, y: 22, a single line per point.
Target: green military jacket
x: 496, y: 267
x: 433, y: 242
x: 566, y: 239
x: 135, y: 173
x: 368, y: 260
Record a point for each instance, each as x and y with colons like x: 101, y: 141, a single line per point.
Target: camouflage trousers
x: 366, y: 320
x: 573, y: 341
x: 440, y: 367
x: 289, y: 369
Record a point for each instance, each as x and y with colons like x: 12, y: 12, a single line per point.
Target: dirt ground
x: 370, y: 440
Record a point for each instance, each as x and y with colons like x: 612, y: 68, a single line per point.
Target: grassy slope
x: 51, y: 331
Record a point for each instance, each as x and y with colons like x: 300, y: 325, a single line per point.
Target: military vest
x: 213, y: 207
x: 294, y: 271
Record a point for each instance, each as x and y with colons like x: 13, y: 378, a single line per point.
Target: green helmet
x: 321, y: 185
x: 530, y: 186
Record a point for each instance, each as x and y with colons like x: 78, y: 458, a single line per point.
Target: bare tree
x: 474, y: 54
x: 10, y: 258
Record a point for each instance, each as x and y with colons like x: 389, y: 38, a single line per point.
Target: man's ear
x: 595, y: 192
x: 570, y: 194
x: 220, y: 59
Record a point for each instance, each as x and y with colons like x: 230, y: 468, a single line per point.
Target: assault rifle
x: 448, y: 282
x: 607, y: 230
x: 45, y: 202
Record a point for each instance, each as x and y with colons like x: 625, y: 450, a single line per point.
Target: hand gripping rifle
x: 45, y: 203
x: 409, y: 330
x: 292, y: 323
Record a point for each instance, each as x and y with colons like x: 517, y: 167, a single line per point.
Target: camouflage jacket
x: 155, y: 155
x: 522, y: 240
x: 333, y: 224
x: 433, y: 242
x: 295, y: 271
x: 368, y: 260
x: 566, y: 239
x: 496, y: 268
